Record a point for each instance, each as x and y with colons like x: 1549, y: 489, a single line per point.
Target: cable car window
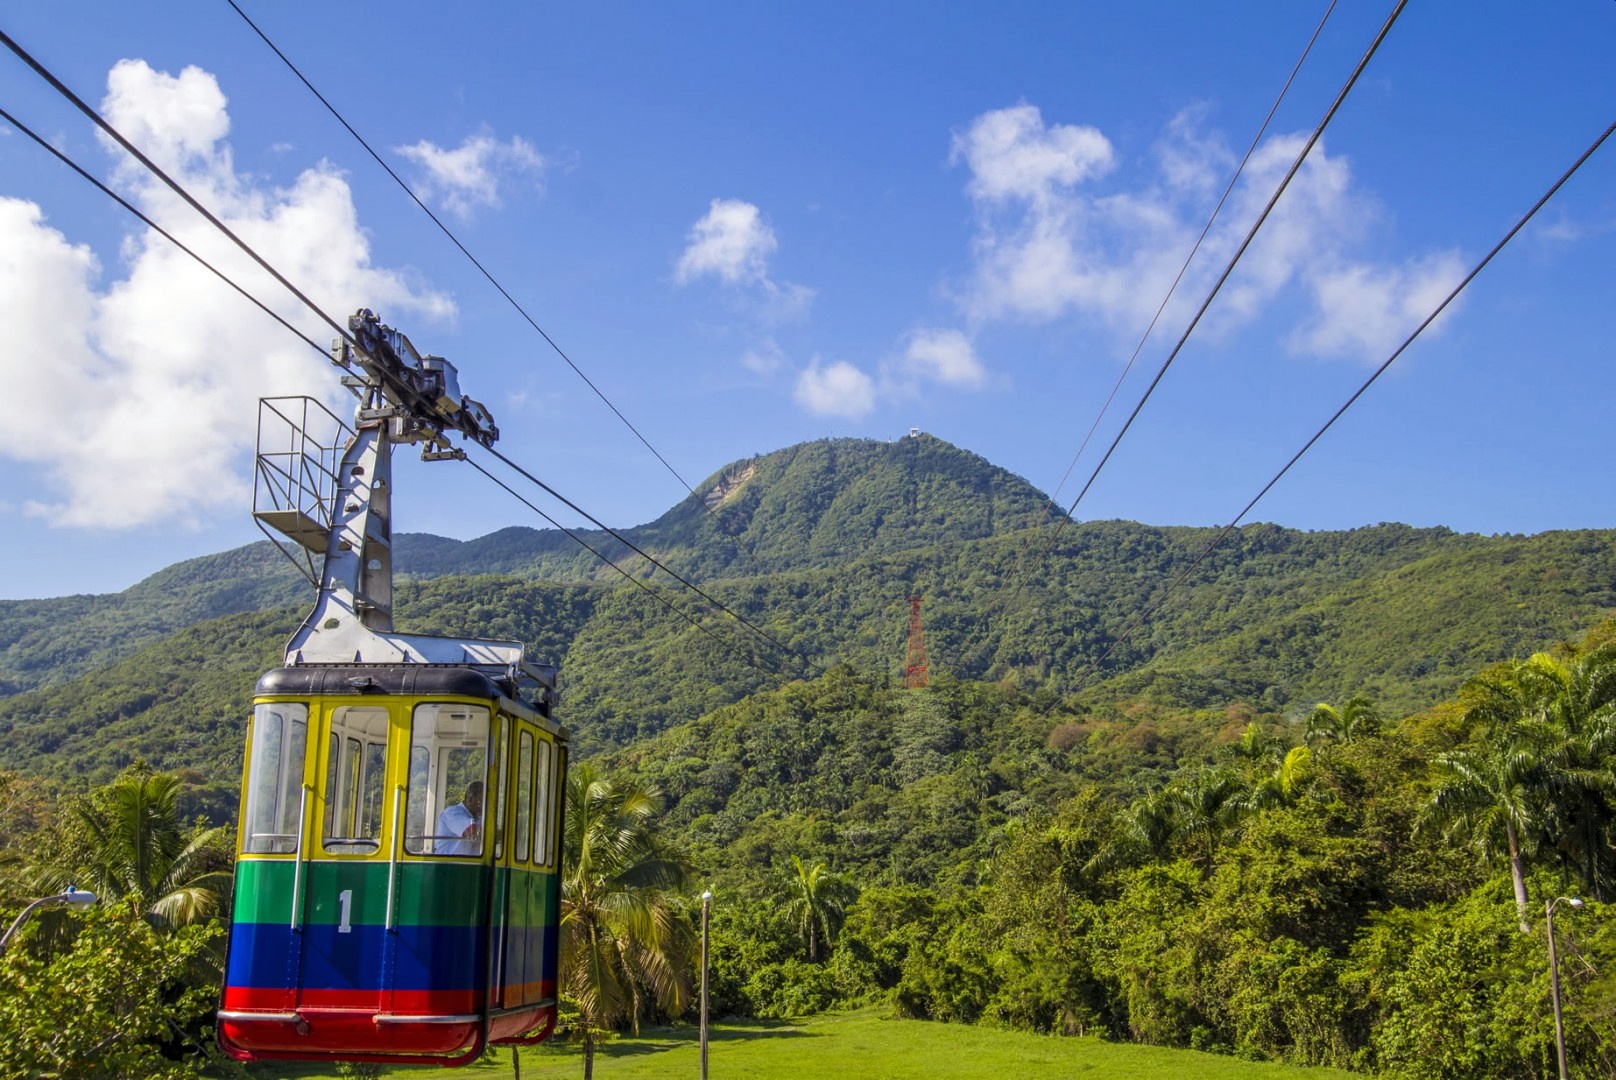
x: 448, y: 768
x: 333, y: 761
x: 500, y: 771
x: 275, y: 778
x: 541, y: 807
x: 524, y: 795
x: 374, y: 787
x: 356, y: 761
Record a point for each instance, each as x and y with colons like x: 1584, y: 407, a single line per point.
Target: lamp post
x: 74, y: 896
x: 706, y: 902
x: 1554, y: 977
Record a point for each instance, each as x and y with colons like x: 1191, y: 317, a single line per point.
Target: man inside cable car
x: 463, y: 820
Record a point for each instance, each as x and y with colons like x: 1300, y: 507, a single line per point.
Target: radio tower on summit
x: 914, y: 667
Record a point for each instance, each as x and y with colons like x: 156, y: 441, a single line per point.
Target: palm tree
x: 1254, y: 744
x: 819, y: 901
x: 1493, y: 799
x: 621, y: 939
x: 134, y: 847
x: 1209, y: 805
x: 1145, y: 833
x: 1575, y: 697
x: 1497, y: 796
x: 1281, y: 787
x: 1356, y: 717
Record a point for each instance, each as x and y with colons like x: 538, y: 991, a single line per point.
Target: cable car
x: 397, y: 892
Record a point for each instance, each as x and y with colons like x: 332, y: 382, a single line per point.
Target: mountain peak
x: 816, y: 502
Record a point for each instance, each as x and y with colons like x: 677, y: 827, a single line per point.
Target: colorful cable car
x: 397, y: 891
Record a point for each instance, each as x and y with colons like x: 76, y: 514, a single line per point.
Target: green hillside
x: 808, y: 505
x: 849, y: 529
x: 1279, y: 620
x: 50, y: 641
x: 1066, y: 832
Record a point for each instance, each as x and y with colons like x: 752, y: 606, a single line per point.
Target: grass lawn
x: 858, y: 1046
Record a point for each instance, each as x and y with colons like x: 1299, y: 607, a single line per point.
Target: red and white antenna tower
x: 914, y: 667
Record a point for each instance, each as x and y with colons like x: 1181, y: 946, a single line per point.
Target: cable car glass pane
x: 501, y: 771
x: 541, y: 807
x: 275, y: 777
x: 354, y: 775
x: 374, y: 784
x: 524, y: 795
x: 333, y: 761
x: 448, y: 771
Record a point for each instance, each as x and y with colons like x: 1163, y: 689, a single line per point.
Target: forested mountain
x: 806, y: 506
x: 847, y: 530
x: 1072, y: 829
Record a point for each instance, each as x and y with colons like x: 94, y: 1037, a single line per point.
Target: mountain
x: 808, y: 505
x: 44, y: 642
x: 841, y: 533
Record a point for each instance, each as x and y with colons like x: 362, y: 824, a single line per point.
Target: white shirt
x: 454, y: 821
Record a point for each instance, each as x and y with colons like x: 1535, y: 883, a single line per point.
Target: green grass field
x: 859, y: 1046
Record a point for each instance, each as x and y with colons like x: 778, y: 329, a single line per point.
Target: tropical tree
x: 117, y: 1000
x: 819, y: 902
x: 1356, y: 718
x: 1145, y: 834
x: 623, y: 944
x: 1496, y: 795
x: 1208, y: 805
x: 1574, y: 698
x: 1281, y: 787
x: 1254, y: 743
x: 131, y: 845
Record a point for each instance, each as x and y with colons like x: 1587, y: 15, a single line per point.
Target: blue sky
x: 753, y: 225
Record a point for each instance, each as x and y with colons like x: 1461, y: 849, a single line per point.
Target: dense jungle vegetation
x: 1293, y: 818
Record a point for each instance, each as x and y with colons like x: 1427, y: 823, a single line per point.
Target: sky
x: 754, y: 225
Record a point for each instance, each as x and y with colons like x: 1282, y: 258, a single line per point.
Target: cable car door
x: 342, y: 911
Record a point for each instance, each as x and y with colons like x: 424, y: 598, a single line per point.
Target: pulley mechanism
x: 329, y: 496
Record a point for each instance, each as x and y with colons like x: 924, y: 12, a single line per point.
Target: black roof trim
x: 412, y: 679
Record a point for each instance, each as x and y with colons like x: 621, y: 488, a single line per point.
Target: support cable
x: 173, y: 185
x: 170, y: 237
x: 1418, y: 330
x: 520, y: 310
x: 1318, y: 133
x: 1171, y: 291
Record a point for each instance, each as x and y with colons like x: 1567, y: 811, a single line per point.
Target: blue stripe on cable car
x: 420, y: 957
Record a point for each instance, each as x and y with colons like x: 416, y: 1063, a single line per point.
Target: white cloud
x: 142, y: 394
x: 469, y: 176
x: 1049, y: 246
x: 1367, y: 311
x: 731, y: 242
x: 945, y: 356
x: 765, y: 359
x: 835, y: 389
x: 1012, y: 155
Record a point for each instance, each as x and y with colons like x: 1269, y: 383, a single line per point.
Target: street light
x: 706, y: 901
x: 1554, y: 978
x: 76, y: 897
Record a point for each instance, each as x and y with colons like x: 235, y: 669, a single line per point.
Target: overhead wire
x: 1228, y: 270
x: 170, y: 237
x: 172, y: 184
x: 1436, y: 312
x: 492, y: 280
x: 1172, y: 290
x: 213, y: 219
